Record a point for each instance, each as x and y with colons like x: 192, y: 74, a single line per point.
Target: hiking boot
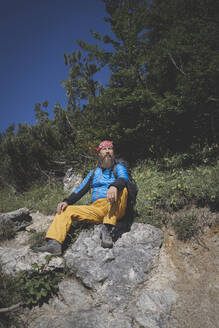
x: 106, y: 237
x: 52, y: 246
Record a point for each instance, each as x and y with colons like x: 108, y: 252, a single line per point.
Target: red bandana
x: 105, y: 143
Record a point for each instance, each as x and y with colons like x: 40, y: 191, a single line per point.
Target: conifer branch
x: 174, y: 63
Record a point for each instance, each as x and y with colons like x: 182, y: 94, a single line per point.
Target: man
x: 109, y: 199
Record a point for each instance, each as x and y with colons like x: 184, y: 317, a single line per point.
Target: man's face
x: 106, y: 155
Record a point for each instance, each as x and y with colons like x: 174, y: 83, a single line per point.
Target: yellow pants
x: 101, y: 211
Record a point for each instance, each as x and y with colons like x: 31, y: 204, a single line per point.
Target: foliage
x: 182, y: 69
x: 7, y: 231
x: 185, y: 227
x: 38, y: 153
x: 195, y: 156
x: 191, y: 221
x: 8, y: 292
x: 164, y: 192
x: 39, y: 284
x: 9, y: 295
x: 163, y: 78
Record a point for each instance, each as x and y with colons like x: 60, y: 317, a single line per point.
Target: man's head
x: 105, y: 154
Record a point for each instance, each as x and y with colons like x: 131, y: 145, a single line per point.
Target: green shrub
x: 7, y: 231
x: 39, y: 284
x: 191, y: 222
x: 162, y: 193
x: 9, y: 295
x: 185, y: 227
x: 196, y: 156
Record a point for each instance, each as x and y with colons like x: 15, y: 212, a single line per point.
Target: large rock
x: 113, y: 287
x: 128, y: 261
x: 71, y: 180
x: 40, y: 222
x: 12, y: 260
x: 122, y: 287
x: 19, y: 219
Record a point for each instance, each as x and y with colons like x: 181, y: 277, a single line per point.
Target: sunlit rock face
x: 121, y: 287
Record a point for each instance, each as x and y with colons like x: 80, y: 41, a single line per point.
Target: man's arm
x: 119, y: 184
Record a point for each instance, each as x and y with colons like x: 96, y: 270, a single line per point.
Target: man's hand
x: 61, y: 207
x: 111, y: 195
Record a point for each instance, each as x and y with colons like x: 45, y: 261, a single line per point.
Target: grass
x: 165, y: 192
x: 43, y: 198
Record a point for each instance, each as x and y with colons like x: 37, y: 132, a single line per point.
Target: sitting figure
x: 109, y: 201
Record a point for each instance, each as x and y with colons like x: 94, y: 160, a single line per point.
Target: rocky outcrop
x: 19, y: 219
x: 12, y: 260
x: 119, y: 278
x: 105, y: 287
x: 147, y: 280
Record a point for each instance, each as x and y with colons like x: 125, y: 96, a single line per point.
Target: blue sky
x: 34, y: 35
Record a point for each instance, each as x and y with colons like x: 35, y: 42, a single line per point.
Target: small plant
x: 9, y: 295
x: 186, y: 227
x: 39, y: 284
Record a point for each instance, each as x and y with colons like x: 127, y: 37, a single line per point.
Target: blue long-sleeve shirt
x: 100, y: 180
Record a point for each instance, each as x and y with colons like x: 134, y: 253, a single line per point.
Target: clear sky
x: 34, y: 35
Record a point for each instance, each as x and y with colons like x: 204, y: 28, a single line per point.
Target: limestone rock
x: 40, y: 222
x: 73, y: 297
x: 12, y: 259
x: 121, y: 287
x: 19, y: 219
x: 127, y: 263
x: 113, y: 287
x: 71, y: 180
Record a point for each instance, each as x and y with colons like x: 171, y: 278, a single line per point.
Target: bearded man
x: 109, y: 200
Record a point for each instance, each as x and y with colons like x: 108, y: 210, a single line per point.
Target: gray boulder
x: 119, y: 278
x: 12, y: 260
x: 127, y: 263
x: 19, y: 219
